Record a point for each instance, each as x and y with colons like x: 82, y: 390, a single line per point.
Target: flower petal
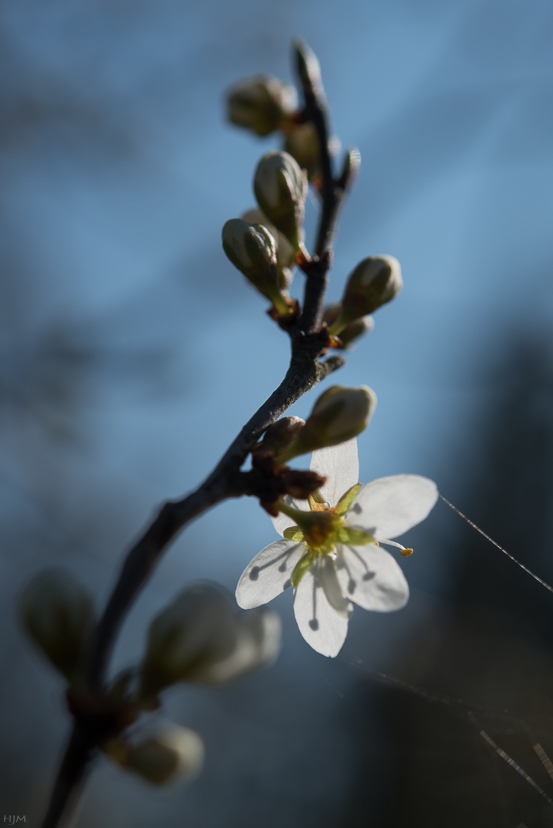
x: 390, y: 506
x: 371, y: 577
x: 323, y: 627
x: 282, y: 521
x: 268, y: 574
x: 332, y: 589
x: 340, y: 465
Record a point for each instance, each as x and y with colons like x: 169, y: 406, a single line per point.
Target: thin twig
x: 305, y: 371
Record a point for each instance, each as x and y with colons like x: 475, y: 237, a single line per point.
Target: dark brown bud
x: 263, y: 458
x: 282, y: 433
x: 300, y: 484
x: 270, y: 507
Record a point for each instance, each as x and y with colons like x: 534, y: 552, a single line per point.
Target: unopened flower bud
x: 261, y: 103
x: 281, y: 434
x: 350, y: 170
x: 353, y: 330
x: 308, y: 66
x: 280, y: 187
x: 166, y: 754
x: 303, y: 145
x: 57, y: 613
x: 286, y: 255
x: 199, y: 637
x: 375, y: 281
x: 338, y: 415
x: 252, y: 249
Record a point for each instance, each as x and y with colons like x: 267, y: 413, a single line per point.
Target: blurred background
x: 132, y: 352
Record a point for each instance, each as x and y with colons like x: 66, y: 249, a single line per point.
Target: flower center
x: 318, y: 529
x: 320, y: 534
x: 323, y: 528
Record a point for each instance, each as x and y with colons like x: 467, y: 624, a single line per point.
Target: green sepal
x: 293, y: 533
x: 304, y: 563
x: 347, y: 499
x: 354, y: 537
x: 317, y: 502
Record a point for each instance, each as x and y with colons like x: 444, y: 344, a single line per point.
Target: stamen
x: 405, y: 550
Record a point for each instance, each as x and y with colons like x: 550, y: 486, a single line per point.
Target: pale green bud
x: 252, y: 249
x: 303, y: 144
x: 280, y: 186
x: 338, y: 415
x: 286, y: 255
x: 199, y: 637
x: 375, y: 281
x: 57, y: 613
x: 164, y: 755
x: 261, y: 103
x: 353, y: 330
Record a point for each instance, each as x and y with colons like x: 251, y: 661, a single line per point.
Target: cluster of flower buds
x: 265, y: 104
x: 374, y: 282
x: 338, y: 415
x: 263, y: 244
x: 198, y: 638
x: 270, y: 479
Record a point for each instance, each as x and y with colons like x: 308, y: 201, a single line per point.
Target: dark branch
x: 70, y: 779
x: 223, y: 482
x: 308, y: 344
x: 332, y: 190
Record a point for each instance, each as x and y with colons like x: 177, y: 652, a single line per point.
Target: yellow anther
x: 406, y: 552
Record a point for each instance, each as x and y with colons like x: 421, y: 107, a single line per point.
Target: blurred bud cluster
x: 198, y: 638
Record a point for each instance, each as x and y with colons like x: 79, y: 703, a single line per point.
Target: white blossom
x: 331, y: 551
